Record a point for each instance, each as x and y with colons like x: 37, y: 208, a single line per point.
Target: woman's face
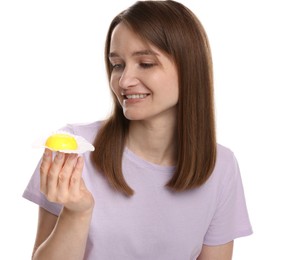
x: 143, y: 78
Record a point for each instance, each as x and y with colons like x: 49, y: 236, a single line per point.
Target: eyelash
x: 116, y: 66
x: 142, y: 65
x: 147, y: 65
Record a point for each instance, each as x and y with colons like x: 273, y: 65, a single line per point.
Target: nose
x: 128, y: 78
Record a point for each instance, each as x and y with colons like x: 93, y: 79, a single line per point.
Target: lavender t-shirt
x: 156, y: 223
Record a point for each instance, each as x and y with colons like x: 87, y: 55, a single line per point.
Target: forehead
x: 125, y: 41
x: 123, y: 38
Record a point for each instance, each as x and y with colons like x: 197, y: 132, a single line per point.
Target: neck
x: 153, y: 141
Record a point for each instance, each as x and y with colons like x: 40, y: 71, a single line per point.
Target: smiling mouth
x: 136, y: 96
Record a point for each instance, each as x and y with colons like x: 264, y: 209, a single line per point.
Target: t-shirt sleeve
x: 230, y: 219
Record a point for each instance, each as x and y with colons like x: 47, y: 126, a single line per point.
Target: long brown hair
x: 175, y: 30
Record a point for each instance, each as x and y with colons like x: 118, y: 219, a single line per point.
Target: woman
x: 158, y: 186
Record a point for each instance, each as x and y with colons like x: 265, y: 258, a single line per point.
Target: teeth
x: 136, y: 96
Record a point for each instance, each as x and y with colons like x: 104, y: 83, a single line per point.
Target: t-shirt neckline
x: 146, y: 164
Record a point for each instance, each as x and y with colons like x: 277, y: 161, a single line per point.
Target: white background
x: 52, y: 73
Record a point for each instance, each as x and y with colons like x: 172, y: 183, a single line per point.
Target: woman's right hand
x: 61, y: 182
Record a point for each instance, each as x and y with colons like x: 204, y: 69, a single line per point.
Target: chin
x: 134, y: 116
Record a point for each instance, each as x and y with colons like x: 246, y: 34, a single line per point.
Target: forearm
x: 68, y: 239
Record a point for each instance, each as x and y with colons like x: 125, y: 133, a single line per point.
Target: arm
x: 45, y: 226
x: 65, y: 236
x: 222, y: 252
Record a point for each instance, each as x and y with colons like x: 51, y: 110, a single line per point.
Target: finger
x: 65, y: 174
x: 76, y: 180
x: 52, y: 177
x: 44, y: 169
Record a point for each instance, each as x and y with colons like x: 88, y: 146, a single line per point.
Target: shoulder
x: 224, y: 154
x: 230, y: 219
x: 226, y: 166
x: 225, y: 158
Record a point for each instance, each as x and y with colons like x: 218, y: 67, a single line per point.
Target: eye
x: 147, y: 65
x: 117, y: 66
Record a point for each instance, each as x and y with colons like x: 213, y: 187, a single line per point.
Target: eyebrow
x: 136, y: 53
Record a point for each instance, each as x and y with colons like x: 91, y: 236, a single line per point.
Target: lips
x: 136, y: 96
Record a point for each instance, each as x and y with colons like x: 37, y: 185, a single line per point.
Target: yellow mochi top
x: 59, y: 142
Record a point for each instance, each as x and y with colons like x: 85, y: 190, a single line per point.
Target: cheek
x: 116, y: 91
x: 172, y: 89
x: 177, y: 92
x: 114, y: 86
x: 174, y: 95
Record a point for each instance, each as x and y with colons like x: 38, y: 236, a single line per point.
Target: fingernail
x: 59, y: 155
x: 46, y: 153
x: 80, y: 160
x: 73, y: 156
